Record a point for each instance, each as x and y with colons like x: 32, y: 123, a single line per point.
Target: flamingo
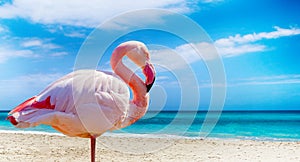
x: 87, y: 103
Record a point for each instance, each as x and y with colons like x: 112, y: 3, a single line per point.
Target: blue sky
x: 258, y: 42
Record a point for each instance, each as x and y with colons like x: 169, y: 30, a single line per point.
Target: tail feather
x: 14, y: 115
x: 23, y: 105
x: 44, y: 104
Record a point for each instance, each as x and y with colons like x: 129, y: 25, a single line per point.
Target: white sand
x: 39, y: 147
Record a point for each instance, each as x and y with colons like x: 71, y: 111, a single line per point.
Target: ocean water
x: 257, y: 125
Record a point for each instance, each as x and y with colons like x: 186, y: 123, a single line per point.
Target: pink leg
x: 93, y: 148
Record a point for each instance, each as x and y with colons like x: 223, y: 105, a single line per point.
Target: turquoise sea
x: 257, y: 125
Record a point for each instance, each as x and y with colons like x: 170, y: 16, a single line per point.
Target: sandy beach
x: 47, y: 147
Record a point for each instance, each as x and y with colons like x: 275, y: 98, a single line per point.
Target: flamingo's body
x: 87, y: 103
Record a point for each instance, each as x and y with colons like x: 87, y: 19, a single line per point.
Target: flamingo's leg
x: 93, y: 148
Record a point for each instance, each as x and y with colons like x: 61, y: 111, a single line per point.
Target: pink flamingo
x: 87, y: 103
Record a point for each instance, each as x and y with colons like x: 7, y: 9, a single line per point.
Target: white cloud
x: 267, y: 80
x: 38, y: 43
x: 280, y: 32
x: 235, y: 50
x: 211, y: 1
x: 31, y: 43
x: 132, y: 19
x: 189, y: 53
x: 58, y: 54
x: 6, y: 54
x: 19, y: 88
x: 81, y: 13
x: 16, y: 89
x: 168, y: 59
x: 182, y: 56
x: 2, y: 29
x: 28, y: 48
x: 69, y: 31
x: 76, y: 35
x: 253, y: 81
x: 38, y: 79
x: 237, y: 45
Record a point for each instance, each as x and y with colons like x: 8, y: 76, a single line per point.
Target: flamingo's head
x: 149, y: 72
x: 140, y: 55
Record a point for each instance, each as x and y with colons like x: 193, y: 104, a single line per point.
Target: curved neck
x: 131, y: 79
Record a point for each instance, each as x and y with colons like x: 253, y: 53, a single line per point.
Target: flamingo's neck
x: 135, y: 83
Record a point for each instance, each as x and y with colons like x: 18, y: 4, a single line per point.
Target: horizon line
x: 289, y: 110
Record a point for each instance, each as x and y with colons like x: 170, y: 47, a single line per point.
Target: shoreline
x: 167, y: 136
x: 40, y: 147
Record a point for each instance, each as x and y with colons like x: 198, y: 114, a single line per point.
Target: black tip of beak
x: 150, y: 85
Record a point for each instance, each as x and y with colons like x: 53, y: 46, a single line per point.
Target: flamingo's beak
x: 149, y: 86
x: 149, y: 72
